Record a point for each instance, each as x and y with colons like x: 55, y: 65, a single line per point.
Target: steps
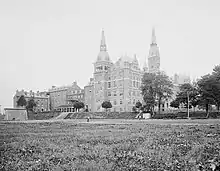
x: 62, y: 115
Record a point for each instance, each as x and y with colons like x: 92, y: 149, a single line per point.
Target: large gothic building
x: 119, y: 82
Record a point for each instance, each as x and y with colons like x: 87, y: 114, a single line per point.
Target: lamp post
x: 188, y: 104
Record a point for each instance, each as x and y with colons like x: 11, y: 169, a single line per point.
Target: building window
x: 120, y: 101
x: 129, y: 93
x: 115, y: 93
x: 133, y: 83
x: 121, y: 93
x: 109, y: 84
x: 109, y: 93
x: 114, y: 83
x: 134, y: 94
x: 115, y: 102
x: 133, y: 101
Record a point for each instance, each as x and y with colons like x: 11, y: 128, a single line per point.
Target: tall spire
x: 103, y: 44
x: 153, y: 39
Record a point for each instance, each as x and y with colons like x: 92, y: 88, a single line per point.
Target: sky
x: 45, y: 43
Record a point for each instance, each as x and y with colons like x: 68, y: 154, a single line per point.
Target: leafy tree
x: 31, y: 104
x: 106, y: 105
x: 21, y: 101
x: 78, y: 105
x: 182, y: 97
x: 156, y: 87
x: 216, y: 86
x: 138, y: 105
x: 175, y: 103
x: 209, y: 91
x: 216, y: 72
x: 81, y: 105
x: 134, y: 109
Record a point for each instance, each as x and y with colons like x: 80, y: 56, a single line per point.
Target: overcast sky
x: 45, y: 43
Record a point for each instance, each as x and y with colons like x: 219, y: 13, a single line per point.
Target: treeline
x: 203, y: 93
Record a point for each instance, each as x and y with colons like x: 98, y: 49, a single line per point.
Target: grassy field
x: 110, y: 145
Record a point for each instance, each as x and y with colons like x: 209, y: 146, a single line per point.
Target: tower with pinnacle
x: 154, y: 55
x: 102, y: 66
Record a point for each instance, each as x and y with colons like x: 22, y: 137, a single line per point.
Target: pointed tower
x: 103, y: 46
x: 154, y: 55
x: 101, y: 71
x: 153, y: 39
x: 103, y: 54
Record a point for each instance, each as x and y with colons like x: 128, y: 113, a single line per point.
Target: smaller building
x: 62, y: 98
x: 41, y: 99
x: 18, y: 114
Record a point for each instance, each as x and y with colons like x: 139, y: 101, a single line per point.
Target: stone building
x: 41, y: 99
x: 62, y: 98
x: 181, y: 79
x: 119, y: 82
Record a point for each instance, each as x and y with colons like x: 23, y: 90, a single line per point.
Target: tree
x: 78, y: 105
x: 216, y: 86
x: 209, y: 91
x: 31, y: 104
x: 156, y: 87
x: 134, y: 109
x: 216, y: 72
x: 182, y: 97
x: 21, y: 101
x: 106, y: 105
x: 175, y: 103
x: 138, y: 105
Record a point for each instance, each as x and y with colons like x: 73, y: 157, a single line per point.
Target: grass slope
x: 128, y: 146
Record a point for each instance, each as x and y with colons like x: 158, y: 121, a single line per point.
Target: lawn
x: 110, y: 145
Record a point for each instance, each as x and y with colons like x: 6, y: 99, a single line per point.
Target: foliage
x: 187, y: 90
x: 172, y: 145
x: 138, y: 104
x: 31, y: 104
x: 106, y: 105
x: 78, y: 105
x: 209, y: 89
x: 21, y: 101
x: 175, y: 103
x: 156, y: 87
x: 134, y: 109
